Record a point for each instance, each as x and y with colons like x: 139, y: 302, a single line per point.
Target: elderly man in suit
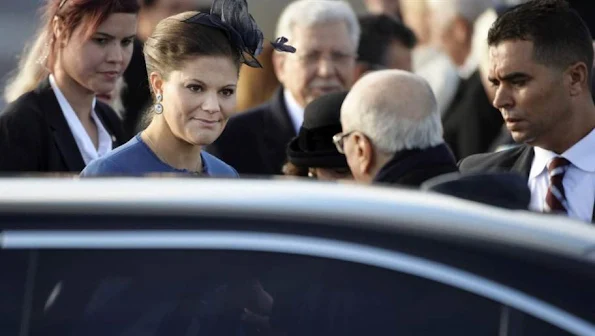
x: 326, y: 35
x: 392, y: 131
x: 541, y: 77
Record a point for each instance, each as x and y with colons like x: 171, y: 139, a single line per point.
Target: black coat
x: 35, y: 137
x: 254, y: 142
x: 414, y: 167
x: 518, y: 160
x: 471, y: 123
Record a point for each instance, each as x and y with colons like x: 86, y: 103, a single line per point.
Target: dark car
x: 222, y: 257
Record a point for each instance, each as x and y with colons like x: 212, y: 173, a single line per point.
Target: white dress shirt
x: 578, y: 182
x: 296, y: 112
x: 83, y: 141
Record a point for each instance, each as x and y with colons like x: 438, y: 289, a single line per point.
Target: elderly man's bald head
x: 395, y: 109
x: 393, y: 89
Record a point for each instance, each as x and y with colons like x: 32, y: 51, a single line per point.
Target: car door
x: 258, y: 282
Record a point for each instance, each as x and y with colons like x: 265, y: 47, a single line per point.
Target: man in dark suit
x: 326, y: 35
x: 541, y: 78
x: 392, y: 132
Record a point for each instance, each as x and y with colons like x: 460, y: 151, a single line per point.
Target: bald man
x: 392, y: 131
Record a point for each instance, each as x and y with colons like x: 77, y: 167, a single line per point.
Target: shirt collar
x: 296, y: 112
x: 581, y: 155
x: 82, y: 139
x: 540, y: 160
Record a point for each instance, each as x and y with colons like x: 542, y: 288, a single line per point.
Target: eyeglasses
x: 339, y: 141
x: 61, y: 4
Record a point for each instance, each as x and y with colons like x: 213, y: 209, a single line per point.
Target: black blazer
x: 471, y: 124
x: 254, y: 142
x: 518, y: 160
x: 35, y: 137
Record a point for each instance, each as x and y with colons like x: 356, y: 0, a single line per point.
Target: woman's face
x: 198, y: 98
x: 96, y: 63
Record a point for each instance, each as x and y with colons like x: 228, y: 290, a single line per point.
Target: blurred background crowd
x: 20, y: 19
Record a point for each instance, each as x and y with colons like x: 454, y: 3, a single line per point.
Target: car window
x: 209, y: 292
x: 13, y: 281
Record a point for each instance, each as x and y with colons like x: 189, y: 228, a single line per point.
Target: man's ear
x: 156, y: 82
x: 577, y: 78
x: 364, y: 153
x: 279, y: 60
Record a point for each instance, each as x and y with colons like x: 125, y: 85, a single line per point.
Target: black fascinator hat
x: 233, y: 18
x: 314, y: 147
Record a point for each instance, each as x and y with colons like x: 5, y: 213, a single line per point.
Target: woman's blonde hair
x: 31, y: 71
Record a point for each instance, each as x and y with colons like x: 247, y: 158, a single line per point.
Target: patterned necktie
x: 555, y: 199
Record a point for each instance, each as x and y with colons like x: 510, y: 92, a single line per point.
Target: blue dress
x: 135, y: 158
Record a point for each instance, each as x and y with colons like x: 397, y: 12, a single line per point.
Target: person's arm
x: 21, y: 145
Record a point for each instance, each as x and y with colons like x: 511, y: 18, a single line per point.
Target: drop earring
x: 158, y: 107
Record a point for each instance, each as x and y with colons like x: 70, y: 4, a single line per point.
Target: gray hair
x: 395, y: 109
x: 307, y: 13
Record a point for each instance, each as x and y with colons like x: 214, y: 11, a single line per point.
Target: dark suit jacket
x: 414, y: 167
x: 518, y: 160
x: 35, y: 137
x: 255, y: 141
x: 471, y: 123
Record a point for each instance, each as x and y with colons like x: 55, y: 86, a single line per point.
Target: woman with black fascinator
x: 193, y: 61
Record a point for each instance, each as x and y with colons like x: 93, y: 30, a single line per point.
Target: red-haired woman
x: 54, y: 122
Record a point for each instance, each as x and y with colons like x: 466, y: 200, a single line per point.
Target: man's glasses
x: 339, y: 141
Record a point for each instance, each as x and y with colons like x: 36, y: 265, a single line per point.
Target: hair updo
x: 174, y: 41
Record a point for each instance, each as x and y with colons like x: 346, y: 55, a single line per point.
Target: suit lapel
x: 107, y: 124
x: 524, y: 161
x: 278, y: 131
x: 60, y: 130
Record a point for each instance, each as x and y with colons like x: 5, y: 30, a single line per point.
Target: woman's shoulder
x: 123, y: 160
x: 217, y: 167
x: 27, y: 106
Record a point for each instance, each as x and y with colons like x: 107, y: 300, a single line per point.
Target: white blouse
x: 83, y: 141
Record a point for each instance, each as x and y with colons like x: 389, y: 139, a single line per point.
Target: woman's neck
x: 173, y: 151
x: 79, y: 98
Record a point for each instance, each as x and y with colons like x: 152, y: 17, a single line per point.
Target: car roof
x: 342, y: 204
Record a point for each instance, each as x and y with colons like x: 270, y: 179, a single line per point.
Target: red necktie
x: 555, y: 199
